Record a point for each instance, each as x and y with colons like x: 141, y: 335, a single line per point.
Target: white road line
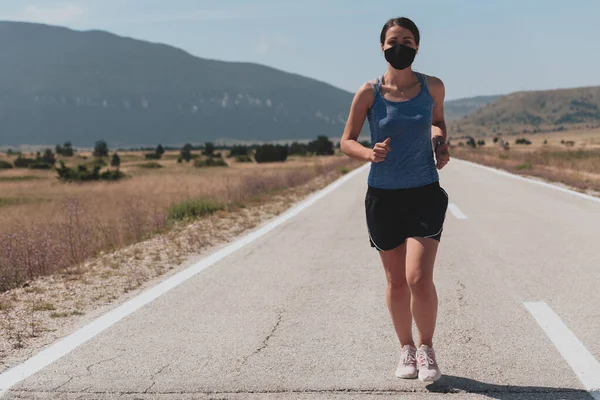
x: 522, y: 178
x: 456, y: 211
x: 69, y: 343
x: 583, y: 363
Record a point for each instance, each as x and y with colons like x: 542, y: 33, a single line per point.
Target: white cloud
x: 61, y: 13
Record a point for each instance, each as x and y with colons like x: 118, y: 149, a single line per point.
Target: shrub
x: 525, y: 165
x: 243, y: 159
x: 5, y: 165
x: 23, y: 162
x: 82, y: 174
x: 150, y: 165
x: 210, y: 162
x: 152, y: 156
x: 115, y: 161
x: 298, y: 149
x: 40, y: 165
x: 238, y: 150
x: 194, y: 208
x: 522, y: 141
x: 271, y: 153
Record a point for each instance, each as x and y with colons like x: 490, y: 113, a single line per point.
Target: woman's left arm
x: 438, y: 129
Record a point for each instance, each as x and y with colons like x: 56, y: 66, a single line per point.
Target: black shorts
x: 393, y: 215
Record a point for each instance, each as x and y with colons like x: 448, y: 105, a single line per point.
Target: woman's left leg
x: 420, y: 259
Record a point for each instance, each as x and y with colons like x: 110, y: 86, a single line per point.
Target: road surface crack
x: 89, y: 368
x: 461, y: 293
x: 153, y: 377
x: 265, y: 342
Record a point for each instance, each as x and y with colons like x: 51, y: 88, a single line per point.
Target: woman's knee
x: 419, y: 284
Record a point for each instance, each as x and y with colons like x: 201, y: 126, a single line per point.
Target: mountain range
x: 59, y: 84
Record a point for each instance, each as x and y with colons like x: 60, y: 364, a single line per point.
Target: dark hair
x: 403, y: 23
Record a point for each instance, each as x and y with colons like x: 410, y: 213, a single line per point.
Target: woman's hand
x: 379, y: 151
x: 442, y: 155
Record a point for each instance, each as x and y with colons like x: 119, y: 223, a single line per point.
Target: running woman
x: 404, y: 203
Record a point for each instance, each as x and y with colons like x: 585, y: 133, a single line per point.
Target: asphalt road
x: 300, y: 313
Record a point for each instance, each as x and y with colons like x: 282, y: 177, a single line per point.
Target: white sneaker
x: 428, y: 368
x: 407, y: 367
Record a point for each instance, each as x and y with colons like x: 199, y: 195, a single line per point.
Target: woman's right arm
x: 363, y: 99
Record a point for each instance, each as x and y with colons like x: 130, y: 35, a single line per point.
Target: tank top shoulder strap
x: 422, y: 79
x: 376, y: 86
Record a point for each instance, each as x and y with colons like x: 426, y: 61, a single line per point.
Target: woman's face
x: 399, y: 35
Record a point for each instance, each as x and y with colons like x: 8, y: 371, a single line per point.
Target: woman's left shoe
x: 428, y: 368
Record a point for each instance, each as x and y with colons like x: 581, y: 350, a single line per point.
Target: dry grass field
x: 571, y: 157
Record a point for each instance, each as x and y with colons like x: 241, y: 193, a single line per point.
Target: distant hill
x: 533, y: 111
x: 456, y: 109
x: 58, y: 84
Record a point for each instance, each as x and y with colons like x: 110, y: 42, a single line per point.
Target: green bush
x: 243, y: 159
x: 271, y: 153
x: 150, y: 165
x: 152, y: 156
x: 111, y: 175
x: 525, y: 165
x: 5, y: 165
x: 194, y: 208
x: 40, y: 165
x: 23, y: 162
x: 298, y: 149
x: 210, y: 162
x: 82, y: 174
x: 522, y: 141
x: 238, y: 150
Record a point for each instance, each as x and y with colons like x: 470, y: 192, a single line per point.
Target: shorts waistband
x: 374, y: 190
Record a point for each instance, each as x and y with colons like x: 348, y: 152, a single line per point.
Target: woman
x: 405, y: 204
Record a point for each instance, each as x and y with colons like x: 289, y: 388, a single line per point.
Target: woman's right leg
x: 398, y: 292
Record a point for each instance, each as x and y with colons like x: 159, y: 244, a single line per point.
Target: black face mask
x: 400, y: 56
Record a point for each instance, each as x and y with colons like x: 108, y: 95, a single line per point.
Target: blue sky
x: 477, y: 47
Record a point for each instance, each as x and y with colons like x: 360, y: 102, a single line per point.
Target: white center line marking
x: 456, y: 211
x: 74, y: 340
x: 583, y: 363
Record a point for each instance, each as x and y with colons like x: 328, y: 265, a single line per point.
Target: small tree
x: 209, y: 149
x: 186, y: 152
x: 160, y: 150
x: 116, y: 161
x: 321, y: 146
x: 101, y: 149
x: 67, y: 150
x: 298, y: 149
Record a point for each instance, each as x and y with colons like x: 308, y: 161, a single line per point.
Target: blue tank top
x: 410, y: 163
